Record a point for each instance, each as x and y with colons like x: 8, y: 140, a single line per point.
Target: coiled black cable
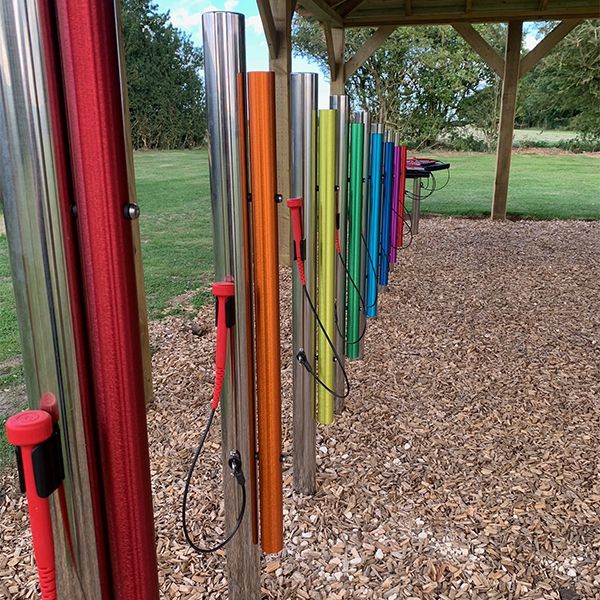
x: 235, y: 464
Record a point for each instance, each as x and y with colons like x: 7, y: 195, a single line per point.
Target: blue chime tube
x: 386, y: 211
x: 374, y: 225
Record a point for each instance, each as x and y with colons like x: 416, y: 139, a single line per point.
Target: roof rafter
x: 322, y: 11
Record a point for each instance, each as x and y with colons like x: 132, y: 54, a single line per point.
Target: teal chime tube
x: 326, y: 211
x: 374, y: 228
x: 355, y: 209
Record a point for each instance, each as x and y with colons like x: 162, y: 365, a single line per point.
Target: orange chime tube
x: 263, y: 180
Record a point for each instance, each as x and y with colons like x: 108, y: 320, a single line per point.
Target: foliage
x: 165, y: 88
x: 578, y: 144
x: 563, y: 90
x: 424, y: 81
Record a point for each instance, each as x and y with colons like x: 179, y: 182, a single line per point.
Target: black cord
x: 303, y: 359
x: 361, y: 307
x: 235, y: 464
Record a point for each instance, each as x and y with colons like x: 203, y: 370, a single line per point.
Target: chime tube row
x: 386, y: 212
x: 225, y: 66
x: 340, y: 104
x: 395, y: 201
x: 304, y: 99
x: 355, y: 211
x: 326, y: 262
x: 263, y: 178
x: 374, y: 227
x: 363, y: 118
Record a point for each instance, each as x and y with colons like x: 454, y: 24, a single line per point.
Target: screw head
x: 132, y: 211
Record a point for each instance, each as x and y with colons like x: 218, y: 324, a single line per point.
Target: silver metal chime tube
x: 225, y: 80
x: 340, y: 103
x: 363, y: 117
x: 304, y: 103
x: 416, y: 205
x: 32, y: 211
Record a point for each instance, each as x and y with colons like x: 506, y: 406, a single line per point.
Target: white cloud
x: 254, y: 22
x: 530, y: 40
x: 231, y: 4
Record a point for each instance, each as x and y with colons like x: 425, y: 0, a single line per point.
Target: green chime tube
x: 326, y: 209
x: 355, y: 209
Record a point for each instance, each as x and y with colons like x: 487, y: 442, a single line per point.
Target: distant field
x: 543, y: 135
x: 542, y: 186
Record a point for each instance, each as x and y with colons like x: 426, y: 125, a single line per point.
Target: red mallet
x: 295, y: 205
x: 28, y: 431
x: 223, y: 291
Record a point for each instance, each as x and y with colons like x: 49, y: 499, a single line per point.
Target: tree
x: 563, y: 90
x: 166, y: 92
x: 418, y: 82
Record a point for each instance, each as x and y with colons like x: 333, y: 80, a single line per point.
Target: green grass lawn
x: 542, y: 186
x: 176, y: 228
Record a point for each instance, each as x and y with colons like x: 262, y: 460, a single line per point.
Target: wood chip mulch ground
x: 466, y: 463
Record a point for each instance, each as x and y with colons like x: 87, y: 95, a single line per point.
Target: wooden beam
x: 396, y: 16
x: 345, y: 8
x: 266, y: 16
x: 367, y: 49
x: 323, y: 12
x: 510, y: 84
x: 408, y: 7
x: 545, y: 46
x: 468, y: 5
x: 281, y: 64
x: 491, y: 58
x: 335, y: 39
x: 543, y: 5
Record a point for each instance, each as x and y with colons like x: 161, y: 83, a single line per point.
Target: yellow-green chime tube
x: 326, y: 258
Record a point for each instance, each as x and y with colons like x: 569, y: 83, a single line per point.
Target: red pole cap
x: 49, y: 404
x: 223, y: 289
x: 295, y: 202
x: 29, y: 428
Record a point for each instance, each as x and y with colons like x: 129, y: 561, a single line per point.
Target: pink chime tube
x: 395, y: 204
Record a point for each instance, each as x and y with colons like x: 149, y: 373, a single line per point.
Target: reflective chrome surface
x: 28, y: 190
x: 340, y: 103
x: 416, y: 206
x: 225, y: 72
x: 304, y: 100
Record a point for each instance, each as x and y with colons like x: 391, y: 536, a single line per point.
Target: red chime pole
x: 90, y: 62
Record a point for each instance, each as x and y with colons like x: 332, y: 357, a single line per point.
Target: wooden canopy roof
x: 372, y: 13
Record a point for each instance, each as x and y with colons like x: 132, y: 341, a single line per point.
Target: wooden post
x: 335, y: 38
x: 281, y: 63
x: 507, y: 118
x: 135, y: 225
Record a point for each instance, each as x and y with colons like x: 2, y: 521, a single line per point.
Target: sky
x: 187, y: 15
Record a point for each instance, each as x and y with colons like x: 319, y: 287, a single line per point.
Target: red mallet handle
x: 295, y: 205
x: 49, y: 404
x: 222, y: 290
x: 27, y: 430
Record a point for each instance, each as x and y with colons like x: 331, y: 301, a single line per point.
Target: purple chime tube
x: 395, y: 199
